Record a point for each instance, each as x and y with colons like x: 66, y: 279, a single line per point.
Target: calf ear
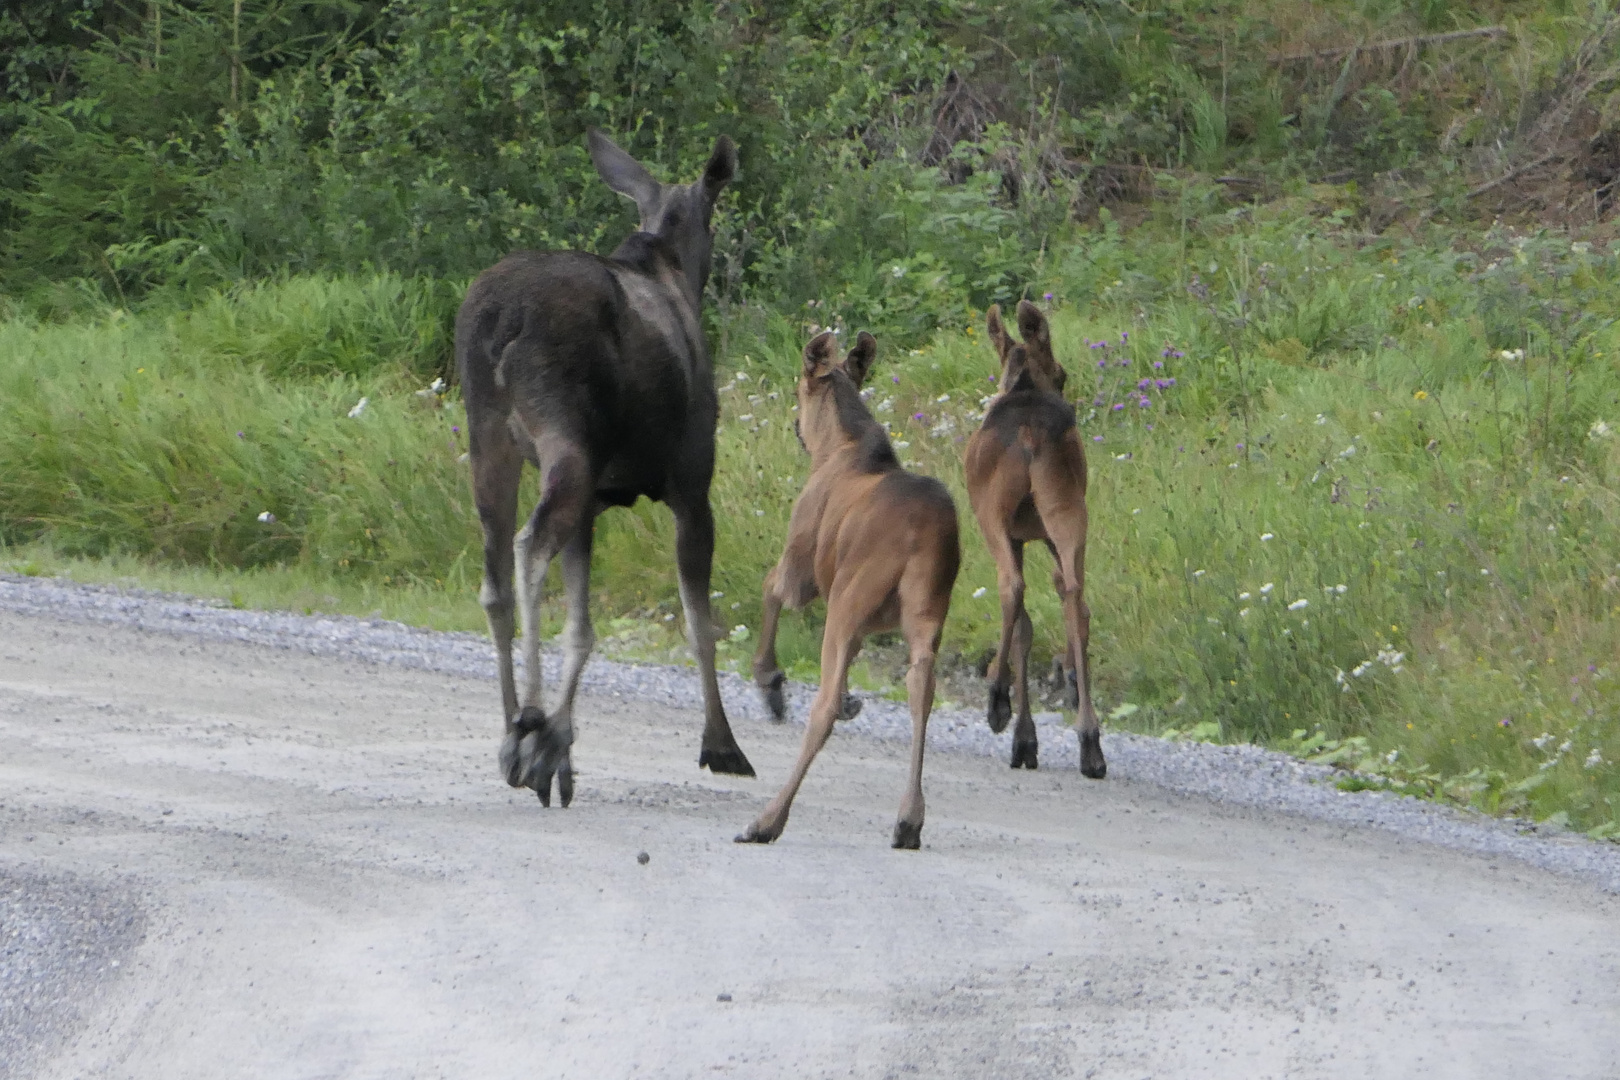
x: 721, y: 169
x: 998, y: 332
x: 1032, y: 325
x: 622, y: 172
x: 821, y: 355
x: 859, y: 360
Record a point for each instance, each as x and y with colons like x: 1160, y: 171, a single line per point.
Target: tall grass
x: 1369, y: 510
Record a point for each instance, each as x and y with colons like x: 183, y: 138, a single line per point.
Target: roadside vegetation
x: 1340, y: 328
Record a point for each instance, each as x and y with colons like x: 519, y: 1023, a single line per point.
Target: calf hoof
x: 775, y: 694
x: 1024, y: 755
x: 729, y: 762
x: 755, y: 834
x: 907, y: 837
x: 1000, y: 710
x: 1091, y: 756
x: 1071, y: 691
x: 851, y: 707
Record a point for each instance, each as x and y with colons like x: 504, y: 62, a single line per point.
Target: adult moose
x: 596, y: 372
x: 1026, y: 479
x: 880, y: 544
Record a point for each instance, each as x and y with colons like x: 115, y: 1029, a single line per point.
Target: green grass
x: 1342, y: 415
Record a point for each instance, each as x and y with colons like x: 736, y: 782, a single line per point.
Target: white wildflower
x: 901, y: 445
x: 898, y: 271
x: 759, y: 513
x: 1243, y: 596
x: 980, y: 591
x: 942, y: 399
x: 1265, y: 590
x: 1198, y: 573
x: 1321, y: 418
x: 739, y: 633
x: 1361, y: 669
x: 1299, y: 605
x: 717, y: 594
x: 1594, y: 759
x: 1349, y: 451
x: 1390, y: 757
x: 267, y: 518
x: 360, y: 407
x: 1267, y: 536
x: 746, y: 417
x: 1338, y: 677
x: 1600, y: 429
x: 1243, y: 612
x: 1540, y: 742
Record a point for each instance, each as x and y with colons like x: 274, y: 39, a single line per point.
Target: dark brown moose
x: 880, y: 544
x: 1026, y: 479
x: 595, y: 371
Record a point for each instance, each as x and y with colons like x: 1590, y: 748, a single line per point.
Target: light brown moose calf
x: 880, y: 544
x: 1026, y: 478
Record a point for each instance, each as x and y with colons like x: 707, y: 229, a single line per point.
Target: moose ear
x: 821, y: 355
x: 998, y: 331
x: 859, y: 360
x: 1032, y: 325
x: 622, y: 172
x: 722, y: 167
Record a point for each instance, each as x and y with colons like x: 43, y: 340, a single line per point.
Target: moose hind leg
x: 496, y: 469
x: 694, y: 557
x: 923, y: 638
x: 579, y: 639
x: 1025, y: 746
x: 565, y: 500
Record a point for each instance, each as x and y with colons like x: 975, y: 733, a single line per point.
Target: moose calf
x: 880, y: 544
x: 1026, y: 479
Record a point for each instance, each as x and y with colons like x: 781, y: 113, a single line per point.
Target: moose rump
x: 595, y: 371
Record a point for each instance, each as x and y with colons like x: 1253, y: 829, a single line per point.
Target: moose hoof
x: 1091, y: 756
x: 851, y: 707
x: 1000, y: 710
x: 511, y: 760
x: 775, y: 694
x: 756, y: 835
x: 730, y: 762
x: 1071, y: 691
x: 1024, y: 755
x: 907, y: 836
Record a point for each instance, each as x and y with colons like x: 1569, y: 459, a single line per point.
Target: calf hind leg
x: 1009, y: 556
x: 922, y: 638
x: 1025, y: 747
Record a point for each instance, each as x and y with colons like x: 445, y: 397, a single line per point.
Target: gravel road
x: 241, y: 843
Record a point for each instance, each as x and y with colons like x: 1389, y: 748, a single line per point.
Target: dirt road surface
x: 330, y: 881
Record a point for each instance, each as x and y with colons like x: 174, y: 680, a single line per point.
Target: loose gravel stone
x: 1240, y: 775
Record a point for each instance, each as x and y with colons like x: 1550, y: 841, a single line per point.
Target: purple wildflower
x: 896, y: 378
x: 239, y: 435
x: 1145, y: 402
x: 1123, y: 336
x: 1166, y: 351
x: 1144, y: 384
x: 1097, y: 345
x: 1118, y: 406
x: 1096, y: 438
x: 1158, y: 363
x: 1047, y: 296
x: 1240, y: 446
x: 1178, y: 354
x: 1164, y: 384
x: 992, y: 378
x: 918, y: 416
x: 1102, y: 363
x: 1098, y: 401
x: 455, y: 429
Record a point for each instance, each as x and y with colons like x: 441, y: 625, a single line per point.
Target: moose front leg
x: 694, y: 555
